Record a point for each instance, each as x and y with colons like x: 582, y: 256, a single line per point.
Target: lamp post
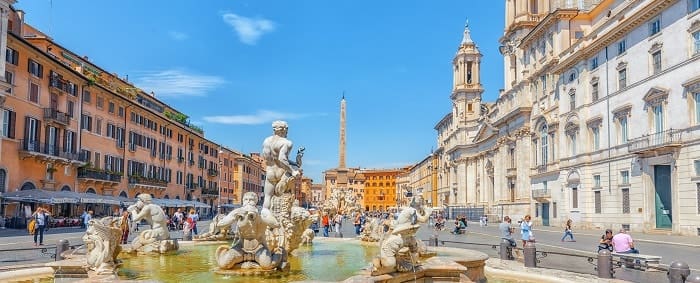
x: 219, y: 179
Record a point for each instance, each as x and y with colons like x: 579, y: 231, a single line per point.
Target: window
x: 70, y: 108
x: 543, y: 141
x: 8, y: 123
x: 625, y: 177
x: 622, y: 78
x: 98, y: 126
x: 572, y: 101
x: 100, y: 102
x: 35, y: 68
x: 34, y: 92
x: 594, y: 92
x: 626, y: 200
x: 621, y: 47
x: 594, y: 63
x: 693, y: 5
x: 598, y: 206
x: 121, y: 111
x: 623, y: 130
x: 596, y: 181
x: 574, y: 197
x: 86, y: 96
x: 655, y: 26
x: 11, y: 56
x: 86, y: 122
x: 658, y: 118
x: 572, y: 142
x: 656, y: 62
x: 554, y: 210
x: 696, y: 164
x: 696, y: 41
x: 111, y: 107
x: 595, y: 132
x: 10, y: 79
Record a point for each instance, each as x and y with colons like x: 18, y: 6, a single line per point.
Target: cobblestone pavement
x: 479, y: 238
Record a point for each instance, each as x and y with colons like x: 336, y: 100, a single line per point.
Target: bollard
x: 530, y: 255
x: 693, y: 278
x: 433, y: 241
x: 605, y: 264
x: 506, y: 251
x: 678, y: 271
x: 61, y: 247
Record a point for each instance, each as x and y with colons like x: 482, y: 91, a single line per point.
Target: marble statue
x: 307, y: 237
x: 399, y: 249
x: 341, y: 201
x: 102, y: 239
x: 250, y: 250
x: 216, y: 232
x: 154, y: 240
x: 372, y: 231
x: 280, y: 171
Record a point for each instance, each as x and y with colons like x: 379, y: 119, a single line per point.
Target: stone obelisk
x: 342, y: 178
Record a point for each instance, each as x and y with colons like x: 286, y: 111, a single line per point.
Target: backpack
x: 31, y: 226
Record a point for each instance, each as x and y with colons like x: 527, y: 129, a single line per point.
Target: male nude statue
x: 279, y: 169
x: 154, y: 215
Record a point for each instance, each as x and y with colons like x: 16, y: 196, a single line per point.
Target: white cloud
x: 261, y: 117
x: 249, y: 30
x: 179, y: 36
x: 175, y: 83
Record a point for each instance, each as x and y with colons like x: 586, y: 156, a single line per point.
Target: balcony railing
x: 192, y: 186
x: 56, y: 116
x: 140, y: 180
x: 541, y: 193
x: 212, y: 172
x: 210, y: 191
x: 48, y: 149
x: 97, y: 174
x: 651, y: 142
x: 55, y: 81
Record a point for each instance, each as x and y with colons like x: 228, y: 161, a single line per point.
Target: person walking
x: 526, y: 229
x: 567, y: 231
x: 41, y: 218
x: 87, y: 218
x: 357, y: 223
x: 195, y: 217
x: 325, y: 223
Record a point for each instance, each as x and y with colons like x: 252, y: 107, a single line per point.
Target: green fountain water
x: 323, y: 261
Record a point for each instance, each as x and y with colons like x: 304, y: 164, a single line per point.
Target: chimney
x: 20, y: 15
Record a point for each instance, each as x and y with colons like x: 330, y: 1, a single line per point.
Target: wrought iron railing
x: 93, y: 173
x: 666, y: 138
x: 49, y: 149
x: 140, y: 180
x: 57, y: 116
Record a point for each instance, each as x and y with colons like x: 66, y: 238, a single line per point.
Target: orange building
x: 69, y: 125
x: 380, y: 189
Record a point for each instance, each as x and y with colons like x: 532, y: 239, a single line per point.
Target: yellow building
x: 379, y: 192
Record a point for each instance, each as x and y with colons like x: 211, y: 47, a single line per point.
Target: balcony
x: 47, y: 152
x: 540, y: 194
x: 192, y: 186
x: 99, y: 176
x: 53, y: 115
x: 212, y: 192
x: 56, y: 82
x: 656, y: 143
x: 147, y: 183
x: 212, y: 172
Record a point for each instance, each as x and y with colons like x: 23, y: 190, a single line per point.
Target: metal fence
x: 474, y: 213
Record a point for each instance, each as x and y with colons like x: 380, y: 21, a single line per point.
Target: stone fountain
x: 157, y: 239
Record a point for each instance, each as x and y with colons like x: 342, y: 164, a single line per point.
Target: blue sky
x: 234, y: 66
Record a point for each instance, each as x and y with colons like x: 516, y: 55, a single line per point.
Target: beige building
x: 597, y: 121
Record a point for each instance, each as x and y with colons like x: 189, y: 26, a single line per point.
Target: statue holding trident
x: 280, y: 171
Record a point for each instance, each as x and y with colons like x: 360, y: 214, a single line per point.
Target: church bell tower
x: 467, y: 87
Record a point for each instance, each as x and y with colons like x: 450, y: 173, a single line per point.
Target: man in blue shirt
x: 507, y: 231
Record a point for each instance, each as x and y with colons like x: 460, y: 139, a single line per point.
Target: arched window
x: 65, y: 188
x: 91, y: 191
x: 543, y: 142
x: 177, y: 197
x: 27, y: 186
x: 166, y: 197
x: 123, y: 194
x: 3, y: 177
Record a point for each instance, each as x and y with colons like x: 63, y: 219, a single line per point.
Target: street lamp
x: 219, y: 182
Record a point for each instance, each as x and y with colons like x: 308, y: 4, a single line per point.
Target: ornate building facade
x: 597, y: 122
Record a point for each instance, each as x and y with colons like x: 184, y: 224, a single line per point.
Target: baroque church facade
x: 597, y: 122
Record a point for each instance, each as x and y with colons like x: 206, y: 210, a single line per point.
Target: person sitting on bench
x: 606, y: 241
x: 622, y: 243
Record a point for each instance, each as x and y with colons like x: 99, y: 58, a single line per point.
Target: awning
x: 41, y: 196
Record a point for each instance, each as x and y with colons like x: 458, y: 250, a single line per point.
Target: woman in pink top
x: 622, y: 243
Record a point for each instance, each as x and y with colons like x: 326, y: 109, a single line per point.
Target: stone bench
x: 644, y: 261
